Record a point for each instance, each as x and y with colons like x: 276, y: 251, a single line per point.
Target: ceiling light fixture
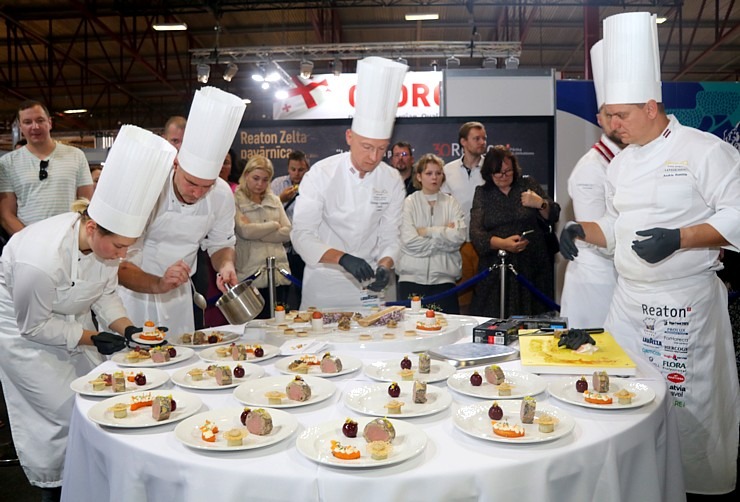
x: 489, y: 63
x: 336, y: 66
x: 230, y: 71
x: 247, y: 101
x: 434, y: 65
x: 265, y: 85
x: 204, y: 71
x: 281, y: 94
x: 421, y: 17
x: 660, y: 20
x: 512, y: 63
x: 453, y: 62
x: 170, y: 26
x: 306, y: 68
x: 72, y: 111
x: 402, y: 60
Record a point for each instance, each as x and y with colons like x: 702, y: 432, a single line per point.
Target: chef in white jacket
x: 346, y: 222
x: 52, y: 274
x: 590, y: 279
x: 673, y: 201
x: 195, y: 209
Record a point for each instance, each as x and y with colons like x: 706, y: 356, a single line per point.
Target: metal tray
x: 462, y: 355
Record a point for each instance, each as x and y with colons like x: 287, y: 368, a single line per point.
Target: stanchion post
x: 502, y: 281
x: 271, y: 282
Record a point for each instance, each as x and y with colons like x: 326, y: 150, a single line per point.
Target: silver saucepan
x: 241, y: 304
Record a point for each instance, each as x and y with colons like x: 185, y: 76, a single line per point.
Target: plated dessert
x: 235, y: 428
x: 604, y: 393
x: 284, y: 391
x: 101, y: 384
x: 524, y: 421
x: 400, y: 399
x: 509, y: 384
x: 216, y: 376
x: 370, y: 443
x: 144, y: 409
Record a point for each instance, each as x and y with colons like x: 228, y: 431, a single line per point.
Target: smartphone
x: 526, y: 232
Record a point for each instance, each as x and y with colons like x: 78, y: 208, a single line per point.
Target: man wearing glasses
x: 43, y: 178
x: 403, y: 161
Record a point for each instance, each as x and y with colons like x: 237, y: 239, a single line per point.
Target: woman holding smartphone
x: 509, y: 213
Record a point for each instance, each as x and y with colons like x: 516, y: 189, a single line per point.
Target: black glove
x: 358, y: 267
x: 660, y: 243
x: 574, y: 338
x: 568, y: 247
x: 382, y: 276
x: 108, y: 343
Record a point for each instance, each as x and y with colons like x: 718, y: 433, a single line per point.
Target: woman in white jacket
x: 432, y: 231
x: 261, y: 229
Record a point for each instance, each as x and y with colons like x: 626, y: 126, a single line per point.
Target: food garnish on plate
x: 597, y: 398
x: 344, y: 452
x: 503, y: 429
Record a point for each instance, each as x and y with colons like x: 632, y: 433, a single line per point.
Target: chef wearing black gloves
x: 347, y: 220
x: 52, y: 275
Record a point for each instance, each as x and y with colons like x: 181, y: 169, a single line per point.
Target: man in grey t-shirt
x: 43, y: 178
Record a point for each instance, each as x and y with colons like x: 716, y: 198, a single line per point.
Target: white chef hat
x: 214, y: 118
x: 377, y: 93
x: 135, y: 173
x: 631, y: 59
x: 597, y: 71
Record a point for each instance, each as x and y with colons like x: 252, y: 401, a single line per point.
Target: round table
x: 610, y: 456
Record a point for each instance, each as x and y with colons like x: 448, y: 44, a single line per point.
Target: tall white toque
x: 378, y: 91
x: 597, y: 71
x: 214, y: 118
x: 631, y: 59
x: 133, y: 177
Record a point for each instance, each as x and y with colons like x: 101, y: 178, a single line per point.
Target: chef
x: 673, y: 200
x: 195, y: 209
x: 346, y: 224
x: 52, y: 273
x: 590, y: 279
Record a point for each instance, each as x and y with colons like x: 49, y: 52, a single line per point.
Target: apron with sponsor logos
x: 682, y: 327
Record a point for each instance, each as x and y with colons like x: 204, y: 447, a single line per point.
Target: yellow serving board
x: 541, y: 354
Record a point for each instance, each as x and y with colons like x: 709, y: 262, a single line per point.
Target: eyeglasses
x: 504, y: 173
x: 43, y: 173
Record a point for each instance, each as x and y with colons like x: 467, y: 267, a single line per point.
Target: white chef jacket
x: 338, y: 209
x: 590, y: 278
x: 462, y: 185
x: 47, y: 288
x: 674, y: 313
x: 174, y: 232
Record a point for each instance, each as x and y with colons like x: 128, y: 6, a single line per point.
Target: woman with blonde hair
x: 261, y: 227
x: 432, y: 231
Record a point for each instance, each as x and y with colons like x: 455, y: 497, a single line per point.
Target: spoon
x: 198, y: 299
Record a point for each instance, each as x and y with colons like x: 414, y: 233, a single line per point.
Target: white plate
x: 315, y: 443
x: 371, y: 400
x: 187, y: 404
x: 138, y: 339
x: 210, y: 354
x: 228, y: 337
x: 387, y: 371
x: 253, y: 393
x: 283, y: 425
x: 524, y: 384
x: 473, y: 419
x: 251, y: 372
x: 564, y: 389
x: 154, y: 378
x: 183, y: 354
x: 349, y: 364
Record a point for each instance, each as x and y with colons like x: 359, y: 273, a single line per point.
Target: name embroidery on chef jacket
x: 380, y: 199
x: 676, y: 169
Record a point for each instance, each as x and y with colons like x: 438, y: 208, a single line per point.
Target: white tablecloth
x: 627, y: 455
